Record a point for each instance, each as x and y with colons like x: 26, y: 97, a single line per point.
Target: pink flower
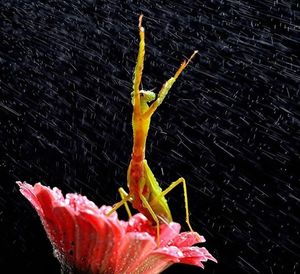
x: 85, y: 240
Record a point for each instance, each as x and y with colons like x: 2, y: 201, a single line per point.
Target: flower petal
x: 47, y: 199
x: 28, y: 191
x: 187, y: 239
x: 194, y: 255
x: 159, y: 260
x: 168, y: 232
x: 105, y: 245
x: 66, y: 244
x: 133, y: 249
x: 139, y: 223
x: 78, y: 203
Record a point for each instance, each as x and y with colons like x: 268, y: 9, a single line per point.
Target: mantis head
x: 146, y: 96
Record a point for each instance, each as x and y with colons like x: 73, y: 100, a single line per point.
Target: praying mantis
x: 145, y: 194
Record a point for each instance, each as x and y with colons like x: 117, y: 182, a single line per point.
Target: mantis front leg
x: 166, y: 87
x: 138, y: 71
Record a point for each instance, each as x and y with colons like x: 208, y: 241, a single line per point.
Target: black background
x: 230, y: 125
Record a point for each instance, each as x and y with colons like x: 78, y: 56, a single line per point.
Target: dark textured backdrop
x: 230, y: 125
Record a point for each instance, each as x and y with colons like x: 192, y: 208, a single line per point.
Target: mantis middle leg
x: 125, y: 198
x: 123, y: 195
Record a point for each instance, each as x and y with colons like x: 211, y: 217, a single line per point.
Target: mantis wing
x: 157, y: 201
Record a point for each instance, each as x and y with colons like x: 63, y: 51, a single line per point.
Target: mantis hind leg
x: 147, y: 205
x: 125, y: 198
x: 186, y: 203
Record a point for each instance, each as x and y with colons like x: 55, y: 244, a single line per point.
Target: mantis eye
x: 147, y: 95
x: 132, y: 101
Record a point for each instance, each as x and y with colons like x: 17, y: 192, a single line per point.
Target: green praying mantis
x: 145, y: 194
